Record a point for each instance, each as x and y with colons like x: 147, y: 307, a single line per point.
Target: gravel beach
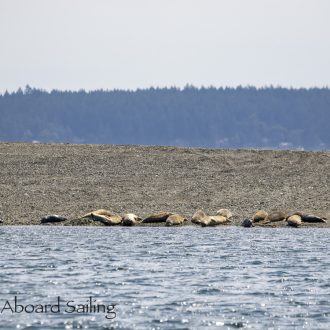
x: 71, y: 180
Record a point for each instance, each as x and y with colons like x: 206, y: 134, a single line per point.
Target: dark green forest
x: 242, y: 117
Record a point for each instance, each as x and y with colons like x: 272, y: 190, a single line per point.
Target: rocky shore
x: 72, y: 180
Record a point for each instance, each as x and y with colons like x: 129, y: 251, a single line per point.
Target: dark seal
x: 157, y: 217
x: 53, y: 218
x: 312, y: 218
x: 247, y: 223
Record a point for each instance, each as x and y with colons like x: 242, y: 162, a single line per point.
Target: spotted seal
x: 294, y: 220
x: 106, y: 217
x: 106, y: 220
x: 259, y: 216
x: 225, y: 213
x: 275, y: 216
x: 157, y: 217
x: 312, y: 218
x: 198, y: 217
x: 214, y: 220
x: 52, y: 218
x: 98, y: 212
x: 175, y: 220
x: 130, y: 219
x: 305, y: 217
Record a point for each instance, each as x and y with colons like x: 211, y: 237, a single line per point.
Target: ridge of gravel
x: 71, y: 180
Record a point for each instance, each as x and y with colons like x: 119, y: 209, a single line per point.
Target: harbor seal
x: 247, y: 223
x: 198, y: 217
x: 157, y: 217
x: 295, y: 213
x: 214, y: 220
x: 52, y: 218
x: 259, y: 216
x: 312, y: 218
x: 275, y: 216
x: 294, y: 220
x: 99, y: 212
x: 104, y: 216
x: 305, y: 217
x: 175, y: 220
x: 106, y: 220
x: 130, y: 219
x: 225, y: 213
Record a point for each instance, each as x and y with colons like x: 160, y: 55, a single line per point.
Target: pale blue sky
x: 128, y: 44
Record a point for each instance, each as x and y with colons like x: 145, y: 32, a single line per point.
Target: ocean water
x: 164, y: 278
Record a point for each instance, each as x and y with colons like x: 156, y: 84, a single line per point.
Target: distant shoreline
x: 71, y: 180
x: 206, y: 117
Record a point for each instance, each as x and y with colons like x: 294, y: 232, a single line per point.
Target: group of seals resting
x: 110, y: 219
x: 130, y: 219
x: 200, y: 218
x: 294, y: 219
x: 222, y: 217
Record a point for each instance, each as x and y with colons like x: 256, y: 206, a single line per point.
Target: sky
x: 130, y: 44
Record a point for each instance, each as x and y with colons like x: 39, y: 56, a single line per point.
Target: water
x: 168, y: 278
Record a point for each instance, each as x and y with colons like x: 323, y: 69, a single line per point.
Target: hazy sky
x: 128, y: 44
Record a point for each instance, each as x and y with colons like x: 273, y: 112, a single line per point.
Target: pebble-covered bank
x: 73, y: 180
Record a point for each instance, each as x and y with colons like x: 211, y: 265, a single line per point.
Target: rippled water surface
x: 167, y: 278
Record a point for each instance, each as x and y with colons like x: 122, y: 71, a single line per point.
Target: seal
x: 198, y: 217
x: 305, y: 217
x: 130, y: 219
x: 106, y: 220
x: 259, y: 216
x: 275, y: 216
x: 294, y: 220
x: 52, y: 218
x: 175, y: 220
x: 214, y: 220
x: 295, y: 213
x: 104, y: 216
x: 247, y: 223
x: 157, y: 217
x: 225, y: 213
x: 99, y: 212
x: 312, y: 218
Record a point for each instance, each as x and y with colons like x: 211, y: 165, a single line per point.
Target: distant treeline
x: 205, y: 117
